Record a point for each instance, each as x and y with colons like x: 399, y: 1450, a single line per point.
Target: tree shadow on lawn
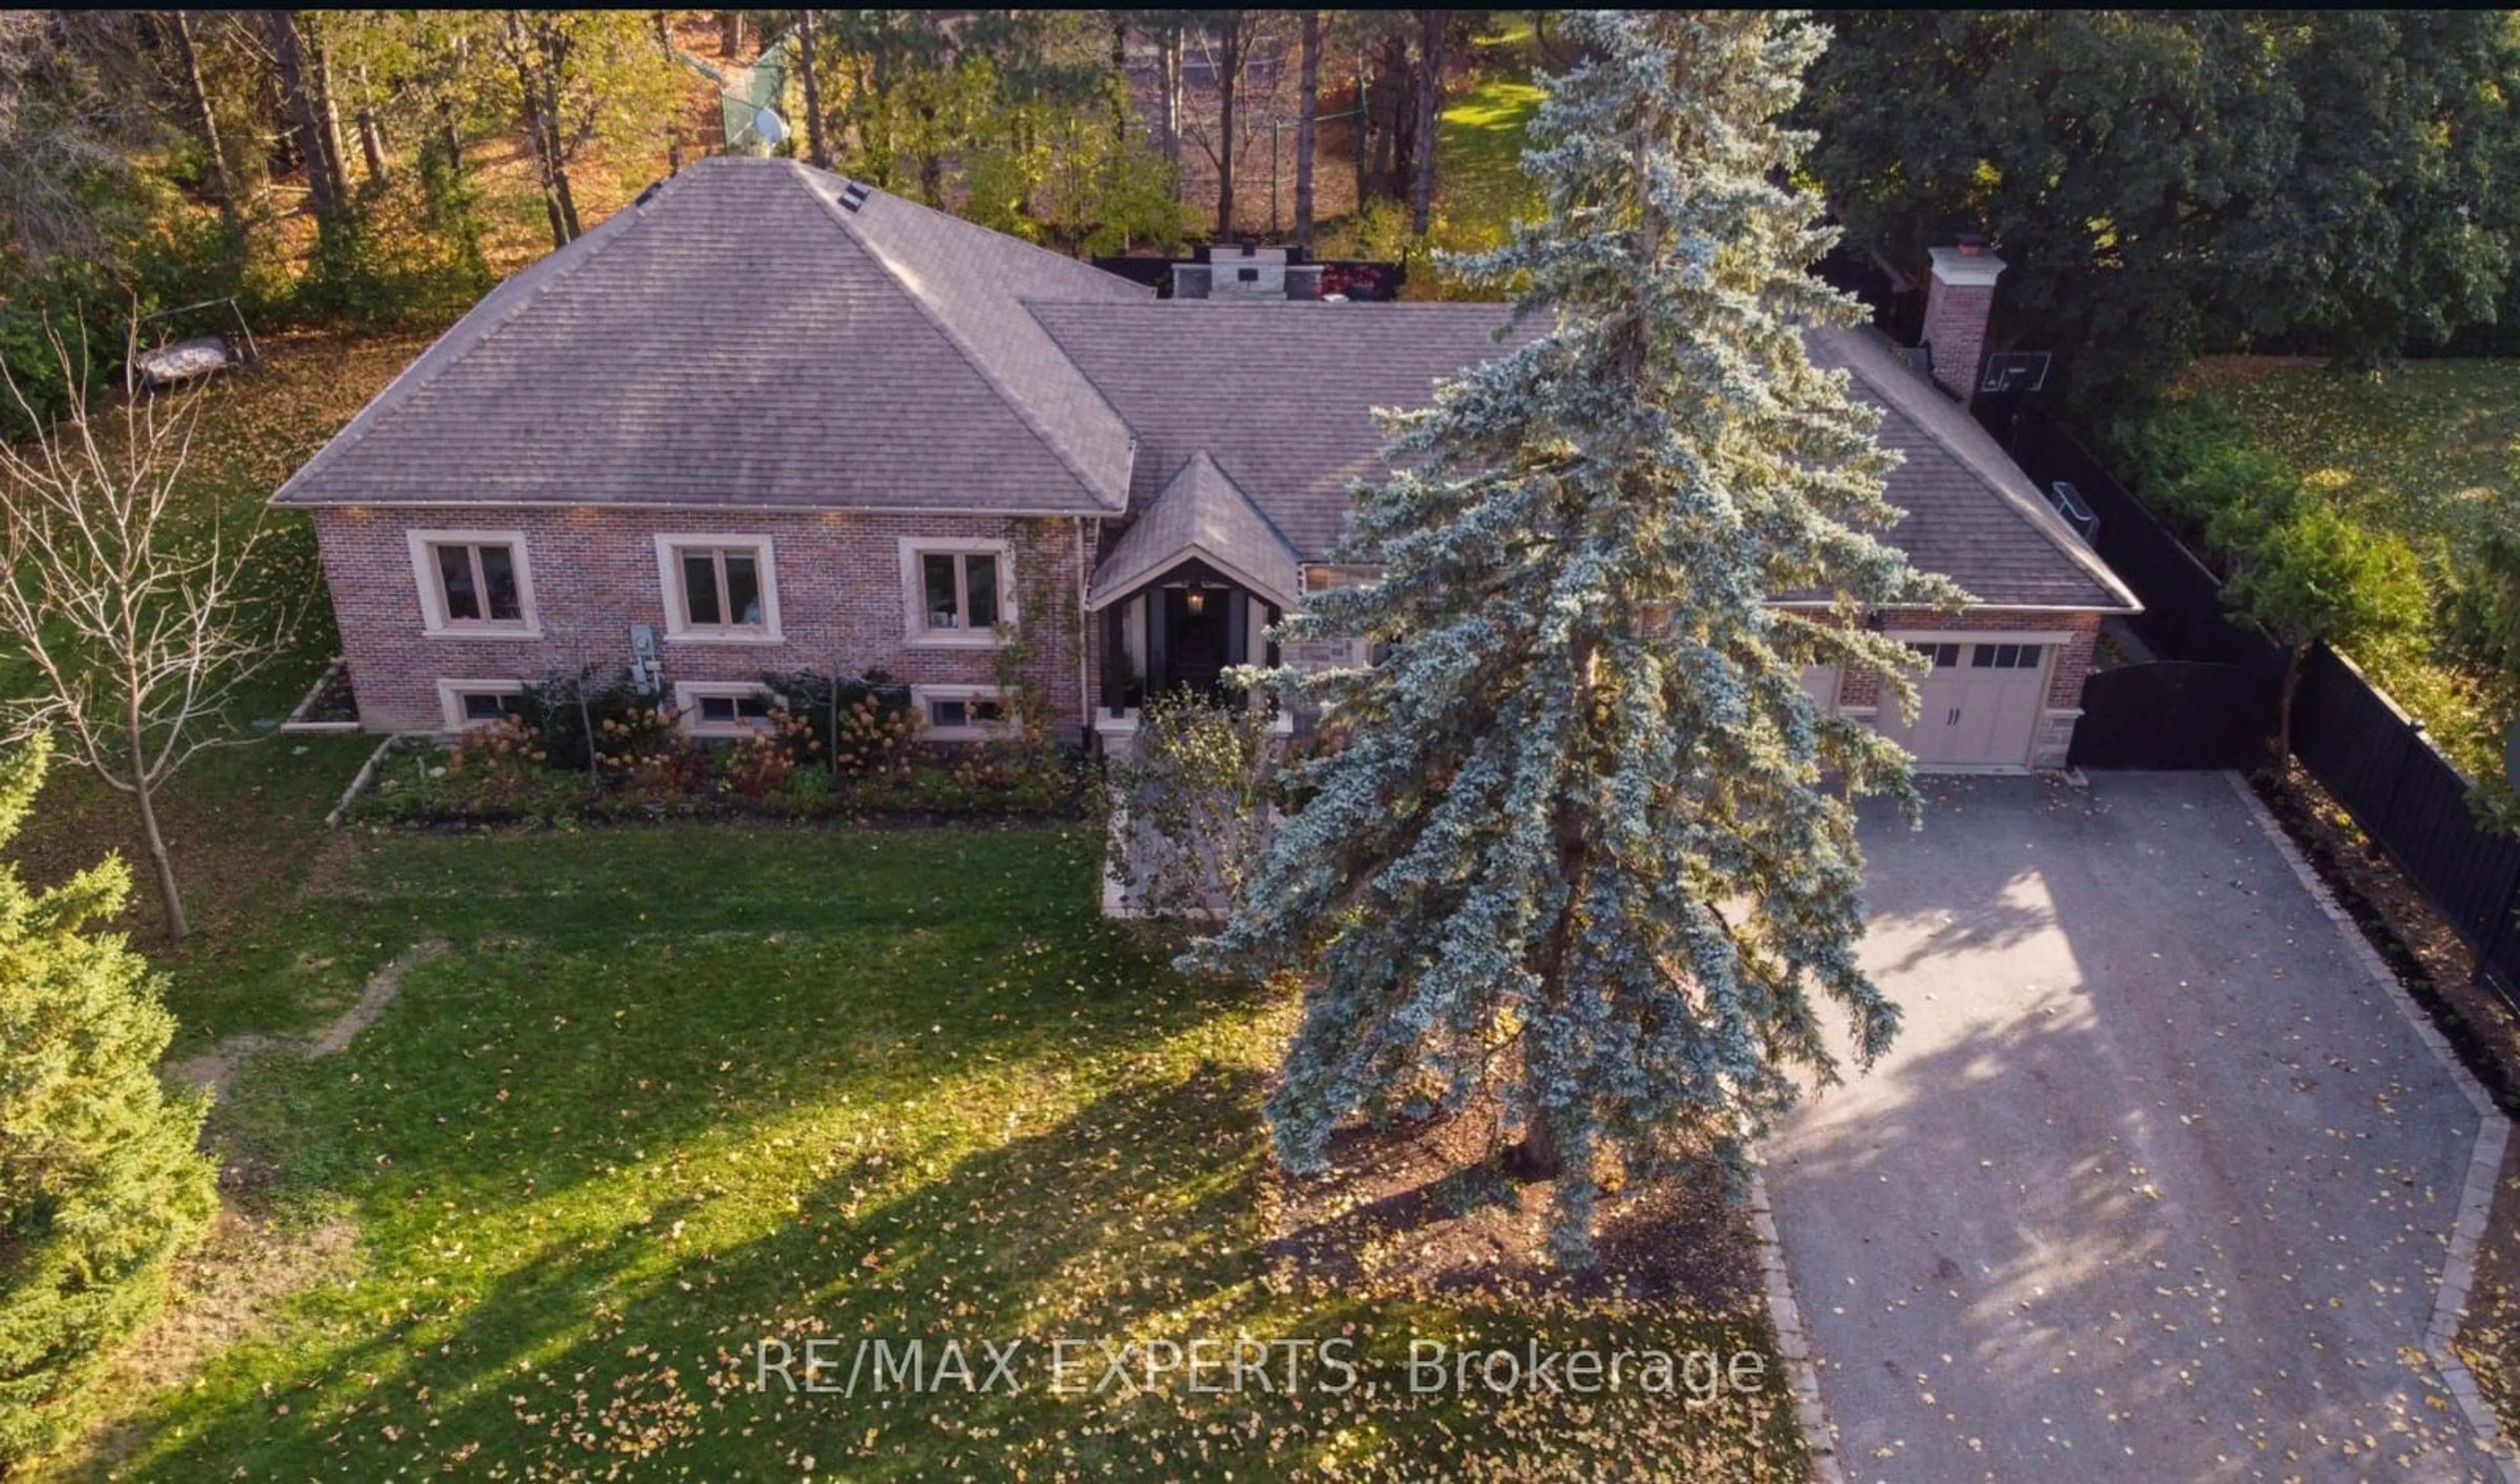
x: 553, y: 1286
x: 1133, y: 1218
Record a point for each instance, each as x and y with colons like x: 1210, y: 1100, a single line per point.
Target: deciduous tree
x: 2165, y: 181
x: 138, y: 617
x: 1582, y: 852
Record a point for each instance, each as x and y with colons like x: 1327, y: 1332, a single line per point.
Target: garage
x: 1980, y: 708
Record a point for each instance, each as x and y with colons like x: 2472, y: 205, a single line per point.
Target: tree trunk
x: 1431, y: 89
x: 327, y: 115
x: 730, y: 33
x: 289, y: 59
x: 673, y: 108
x: 143, y: 796
x: 1229, y: 67
x: 1168, y: 73
x: 540, y: 133
x: 1308, y: 107
x: 372, y: 139
x: 1363, y: 123
x: 1383, y: 119
x: 817, y: 151
x: 1120, y: 81
x: 449, y: 136
x: 1404, y: 119
x: 1540, y: 1156
x: 197, y: 101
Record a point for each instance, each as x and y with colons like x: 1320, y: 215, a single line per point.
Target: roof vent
x: 854, y: 196
x: 650, y: 194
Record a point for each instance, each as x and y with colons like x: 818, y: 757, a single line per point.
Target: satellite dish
x: 772, y: 128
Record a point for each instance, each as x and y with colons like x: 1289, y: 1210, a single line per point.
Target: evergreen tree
x: 100, y: 1181
x: 1583, y: 850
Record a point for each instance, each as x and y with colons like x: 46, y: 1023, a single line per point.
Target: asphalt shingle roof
x: 742, y: 340
x: 1202, y: 512
x: 1280, y: 394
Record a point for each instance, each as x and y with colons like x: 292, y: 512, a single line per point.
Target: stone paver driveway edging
x: 2160, y: 1182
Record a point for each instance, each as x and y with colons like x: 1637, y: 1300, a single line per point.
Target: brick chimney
x: 1957, y: 307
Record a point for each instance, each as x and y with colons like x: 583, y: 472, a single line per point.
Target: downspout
x: 1084, y: 622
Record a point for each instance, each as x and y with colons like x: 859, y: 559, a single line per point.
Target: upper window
x: 957, y: 592
x: 719, y: 587
x: 961, y: 589
x: 473, y: 582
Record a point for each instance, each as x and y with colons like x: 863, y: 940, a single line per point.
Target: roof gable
x: 1201, y: 512
x: 696, y: 350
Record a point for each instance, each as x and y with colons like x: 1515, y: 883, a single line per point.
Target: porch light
x: 1198, y: 600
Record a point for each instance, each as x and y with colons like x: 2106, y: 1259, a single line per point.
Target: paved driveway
x: 2157, y: 1186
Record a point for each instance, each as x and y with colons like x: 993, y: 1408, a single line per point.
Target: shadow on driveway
x: 2155, y: 1184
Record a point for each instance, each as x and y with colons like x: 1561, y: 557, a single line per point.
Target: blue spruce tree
x: 1591, y: 848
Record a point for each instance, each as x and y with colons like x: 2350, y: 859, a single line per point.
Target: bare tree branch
x: 130, y: 606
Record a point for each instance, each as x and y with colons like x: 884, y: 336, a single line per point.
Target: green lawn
x: 2425, y: 449
x: 1480, y: 186
x: 676, y: 1088
x: 1480, y: 189
x: 2428, y: 444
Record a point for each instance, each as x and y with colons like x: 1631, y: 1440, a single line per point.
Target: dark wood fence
x: 2175, y: 715
x: 2350, y: 736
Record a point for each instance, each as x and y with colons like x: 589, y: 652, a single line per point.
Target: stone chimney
x: 1957, y: 307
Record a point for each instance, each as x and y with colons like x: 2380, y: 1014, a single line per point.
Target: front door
x: 1194, y: 642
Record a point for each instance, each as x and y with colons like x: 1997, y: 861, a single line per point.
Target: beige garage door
x: 1979, y: 708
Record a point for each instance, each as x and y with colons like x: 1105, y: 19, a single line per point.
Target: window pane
x: 981, y: 575
x: 2028, y: 657
x: 1985, y: 656
x: 988, y: 710
x: 455, y: 570
x: 699, y: 588
x: 944, y: 610
x: 744, y: 588
x: 486, y: 706
x: 752, y: 707
x: 717, y: 709
x: 949, y: 713
x: 1947, y: 656
x: 499, y: 584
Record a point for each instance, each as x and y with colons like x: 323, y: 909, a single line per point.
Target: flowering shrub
x: 766, y: 760
x: 499, y: 762
x: 875, y: 739
x: 834, y: 748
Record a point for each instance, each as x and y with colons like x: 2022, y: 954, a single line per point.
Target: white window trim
x: 915, y: 631
x: 687, y: 695
x: 679, y: 629
x: 451, y: 694
x: 921, y: 695
x: 433, y: 622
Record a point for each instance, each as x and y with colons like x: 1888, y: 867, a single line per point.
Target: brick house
x: 768, y: 419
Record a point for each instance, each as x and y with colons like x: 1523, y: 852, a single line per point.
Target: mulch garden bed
x: 1423, y: 1208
